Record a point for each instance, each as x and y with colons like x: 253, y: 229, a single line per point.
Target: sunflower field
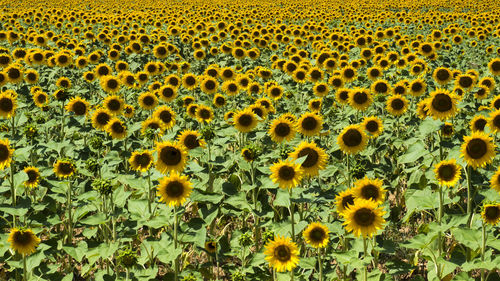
x: 249, y: 140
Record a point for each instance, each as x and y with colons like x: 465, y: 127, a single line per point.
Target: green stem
x: 440, y: 217
x: 469, y: 199
x: 483, y: 249
x: 176, y: 261
x: 365, y: 251
x: 13, y: 190
x: 348, y: 171
x: 291, y: 209
x: 25, y: 269
x: 70, y: 219
x: 62, y: 121
x: 320, y: 265
x: 149, y: 192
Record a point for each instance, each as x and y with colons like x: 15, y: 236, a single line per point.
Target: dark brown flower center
x: 381, y: 87
x: 442, y: 103
x: 465, y: 81
x: 347, y: 201
x: 210, y: 85
x: 65, y: 168
x: 117, y: 127
x: 364, y: 217
x: 311, y: 159
x: 309, y: 123
x: 245, y: 120
x: 480, y: 124
x: 352, y: 138
x: 495, y: 66
x: 317, y: 235
x: 443, y: 75
x: 348, y: 73
x: 360, y: 98
x: 148, y: 100
x: 204, y: 114
x: 79, y: 108
x: 175, y: 189
x: 170, y: 155
x: 4, y: 153
x: 22, y: 238
x: 103, y: 118
x: 397, y: 104
x: 32, y: 176
x: 6, y: 104
x: 370, y: 191
x: 447, y: 172
x: 492, y: 212
x: 476, y: 148
x: 143, y: 160
x: 114, y: 105
x: 190, y: 80
x: 286, y: 173
x: 282, y: 253
x: 191, y: 141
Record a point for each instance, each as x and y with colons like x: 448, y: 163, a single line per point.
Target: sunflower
x: 5, y: 154
x: 374, y: 72
x: 344, y: 200
x: 495, y: 180
x: 219, y: 100
x: 494, y: 121
x: 352, y: 139
x: 64, y: 168
x: 373, y: 126
x: 174, y: 189
x: 360, y: 99
x: 342, y: 96
x: 316, y: 235
x: 209, y: 85
x: 191, y: 139
x: 320, y: 89
x: 14, y: 73
x: 204, y: 114
x: 314, y: 105
x: 187, y: 100
x: 381, y: 87
x: 396, y: 105
x: 336, y: 81
x: 153, y: 124
x: 171, y: 157
x: 33, y: 177
x: 287, y: 174
x: 128, y: 111
x: 369, y: 189
x: 309, y: 124
x: 478, y: 123
x: 364, y: 217
x: 23, y: 241
x: 348, y: 74
x: 245, y: 120
x: 114, y: 104
x: 417, y: 87
x: 31, y: 76
x: 442, y: 104
x: 191, y: 110
x: 315, y: 158
x: 148, y: 100
x: 491, y: 213
x: 494, y: 66
x: 282, y: 254
x: 8, y: 104
x: 116, y: 129
x: 78, y: 106
x: 464, y: 81
x: 442, y: 75
x: 488, y: 82
x: 447, y: 172
x: 100, y: 118
x: 102, y: 70
x: 211, y: 246
x: 167, y: 93
x: 63, y: 82
x: 281, y: 130
x: 481, y: 93
x: 275, y: 92
x: 478, y: 149
x: 141, y: 160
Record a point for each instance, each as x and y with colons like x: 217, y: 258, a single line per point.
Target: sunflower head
x: 8, y: 104
x: 245, y: 120
x: 171, y: 157
x: 282, y: 254
x: 309, y: 124
x: 287, y: 174
x: 211, y: 246
x: 116, y: 128
x: 478, y: 149
x: 33, y: 177
x: 364, y: 218
x: 447, y: 172
x: 64, y: 168
x: 23, y: 241
x: 191, y: 139
x: 442, y: 104
x: 282, y: 129
x: 370, y: 189
x: 397, y: 105
x: 5, y: 154
x: 174, y: 189
x: 79, y: 106
x: 491, y: 213
x: 352, y: 139
x: 315, y: 158
x: 316, y: 234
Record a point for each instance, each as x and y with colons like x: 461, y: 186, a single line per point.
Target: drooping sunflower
x: 114, y: 104
x: 287, y: 174
x: 282, y: 129
x: 116, y: 129
x: 495, y: 181
x: 491, y: 213
x: 315, y: 160
x: 148, y: 101
x: 78, y: 106
x: 360, y: 99
x: 442, y: 104
x: 448, y: 172
x: 23, y: 241
x: 364, y: 218
x: 64, y: 168
x: 33, y: 177
x: 352, y: 139
x: 344, y: 200
x: 5, y: 154
x: 204, y: 114
x: 316, y: 234
x: 8, y: 104
x: 174, y: 189
x: 373, y: 126
x: 478, y: 149
x: 245, y: 120
x: 141, y: 160
x: 309, y: 124
x: 171, y: 157
x: 211, y: 246
x: 154, y: 124
x: 282, y: 254
x: 396, y: 105
x: 369, y: 189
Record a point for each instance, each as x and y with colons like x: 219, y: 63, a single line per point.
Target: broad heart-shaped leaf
x: 419, y: 200
x: 470, y: 238
x: 308, y: 263
x: 77, y: 252
x: 447, y: 268
x: 414, y: 152
x: 138, y: 209
x: 429, y: 126
x: 96, y: 219
x: 282, y: 198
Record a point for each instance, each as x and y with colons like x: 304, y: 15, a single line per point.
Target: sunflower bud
x: 267, y: 236
x: 92, y: 165
x: 207, y: 132
x: 96, y: 143
x: 4, y: 127
x: 246, y: 239
x: 104, y: 186
x: 238, y: 276
x: 127, y: 258
x: 189, y: 277
x: 30, y: 130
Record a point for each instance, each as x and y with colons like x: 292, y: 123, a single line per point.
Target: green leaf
x: 470, y: 238
x: 96, y: 219
x: 282, y: 198
x: 414, y: 152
